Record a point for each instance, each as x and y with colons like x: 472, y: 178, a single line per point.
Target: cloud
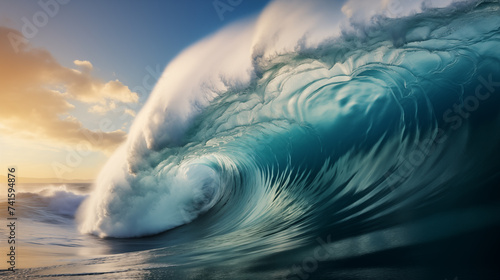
x: 103, y: 109
x: 86, y: 65
x: 80, y: 85
x: 130, y: 112
x: 36, y: 92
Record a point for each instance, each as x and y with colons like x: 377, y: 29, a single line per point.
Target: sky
x: 74, y: 73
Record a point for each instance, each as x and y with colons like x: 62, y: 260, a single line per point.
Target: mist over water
x: 367, y: 129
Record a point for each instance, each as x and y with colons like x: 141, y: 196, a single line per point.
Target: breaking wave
x: 314, y: 117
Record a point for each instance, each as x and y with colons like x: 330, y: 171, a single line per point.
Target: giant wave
x: 314, y: 117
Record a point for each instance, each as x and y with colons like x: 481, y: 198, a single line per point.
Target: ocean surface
x: 317, y: 140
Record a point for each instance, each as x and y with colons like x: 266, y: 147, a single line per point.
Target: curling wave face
x: 314, y: 117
